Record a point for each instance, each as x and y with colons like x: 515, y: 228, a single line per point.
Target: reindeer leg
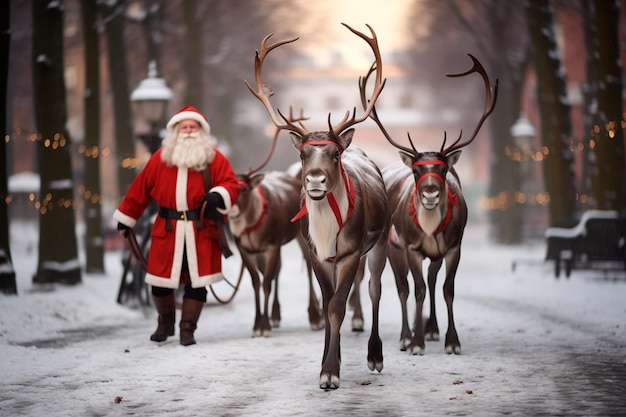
x: 316, y: 317
x: 251, y: 266
x: 326, y: 285
x: 269, y: 266
x: 376, y: 263
x: 345, y: 270
x: 452, y: 344
x: 355, y: 299
x: 275, y: 271
x: 416, y: 347
x: 398, y: 261
x: 431, y: 330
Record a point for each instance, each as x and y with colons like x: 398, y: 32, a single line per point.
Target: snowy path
x: 531, y: 345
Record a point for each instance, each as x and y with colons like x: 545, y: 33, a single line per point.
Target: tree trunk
x: 114, y: 16
x: 607, y: 171
x: 556, y: 129
x: 94, y: 242
x: 58, y: 255
x: 7, y: 272
x: 192, y: 57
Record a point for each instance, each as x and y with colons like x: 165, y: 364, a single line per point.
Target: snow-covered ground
x: 532, y: 345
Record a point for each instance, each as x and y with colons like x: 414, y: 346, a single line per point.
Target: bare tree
x: 556, y: 127
x: 58, y: 254
x: 7, y: 272
x: 496, y: 31
x: 112, y: 13
x: 607, y: 172
x: 94, y: 242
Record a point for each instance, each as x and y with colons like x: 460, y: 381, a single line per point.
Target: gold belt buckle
x: 183, y: 216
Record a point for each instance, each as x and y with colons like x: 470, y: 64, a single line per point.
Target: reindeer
x: 260, y: 224
x: 344, y: 211
x: 427, y: 221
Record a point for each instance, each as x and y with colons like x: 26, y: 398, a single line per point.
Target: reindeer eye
x: 336, y: 154
x: 301, y: 156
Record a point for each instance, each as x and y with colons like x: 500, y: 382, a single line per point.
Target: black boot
x: 191, y: 312
x: 166, y: 307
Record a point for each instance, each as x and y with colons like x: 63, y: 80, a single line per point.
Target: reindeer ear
x: 453, y: 157
x: 256, y: 180
x: 407, y: 159
x: 345, y: 139
x: 296, y: 140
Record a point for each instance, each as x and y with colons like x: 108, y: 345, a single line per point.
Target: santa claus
x: 184, y: 245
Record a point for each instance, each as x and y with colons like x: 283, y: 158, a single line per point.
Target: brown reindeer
x: 260, y: 224
x: 428, y: 218
x: 344, y: 212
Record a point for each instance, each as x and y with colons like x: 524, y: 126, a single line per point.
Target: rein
x: 135, y: 249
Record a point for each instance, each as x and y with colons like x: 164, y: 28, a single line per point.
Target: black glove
x: 126, y: 229
x: 214, y: 201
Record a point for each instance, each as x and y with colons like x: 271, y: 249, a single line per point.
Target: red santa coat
x: 179, y: 189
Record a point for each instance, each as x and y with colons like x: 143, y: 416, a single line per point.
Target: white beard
x: 189, y: 150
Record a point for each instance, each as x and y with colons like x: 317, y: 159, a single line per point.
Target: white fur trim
x: 124, y: 219
x: 188, y: 115
x: 225, y: 195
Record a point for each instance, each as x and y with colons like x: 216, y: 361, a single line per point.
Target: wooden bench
x: 598, y: 241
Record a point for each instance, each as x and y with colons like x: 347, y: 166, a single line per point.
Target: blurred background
x: 91, y: 83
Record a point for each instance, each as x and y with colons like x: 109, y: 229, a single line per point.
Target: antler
x: 348, y: 121
x: 374, y: 115
x: 264, y: 96
x: 292, y: 119
x: 491, y: 96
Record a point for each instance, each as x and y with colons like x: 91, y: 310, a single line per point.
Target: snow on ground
x: 531, y: 345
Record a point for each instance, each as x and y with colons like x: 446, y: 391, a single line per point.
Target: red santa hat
x: 189, y: 113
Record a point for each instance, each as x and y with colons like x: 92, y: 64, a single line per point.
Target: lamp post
x: 152, y: 96
x: 523, y: 133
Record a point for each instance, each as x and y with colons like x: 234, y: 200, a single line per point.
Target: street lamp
x: 152, y: 96
x: 523, y: 133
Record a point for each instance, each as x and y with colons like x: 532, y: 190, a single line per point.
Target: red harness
x: 330, y: 197
x: 452, y: 202
x: 452, y: 198
x: 263, y: 213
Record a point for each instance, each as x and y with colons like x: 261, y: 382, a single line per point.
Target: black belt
x: 169, y: 214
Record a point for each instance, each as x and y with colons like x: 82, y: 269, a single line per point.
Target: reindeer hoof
x: 256, y: 333
x: 328, y: 381
x: 275, y: 324
x: 432, y: 336
x: 375, y: 365
x: 404, y: 344
x: 453, y: 349
x: 357, y: 325
x: 416, y: 350
x: 317, y: 326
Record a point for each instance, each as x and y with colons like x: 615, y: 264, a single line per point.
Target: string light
x: 57, y: 142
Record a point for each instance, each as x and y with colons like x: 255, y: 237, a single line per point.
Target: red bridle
x: 425, y: 175
x: 330, y: 197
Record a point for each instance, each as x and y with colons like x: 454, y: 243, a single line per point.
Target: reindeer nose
x: 431, y: 194
x: 316, y: 179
